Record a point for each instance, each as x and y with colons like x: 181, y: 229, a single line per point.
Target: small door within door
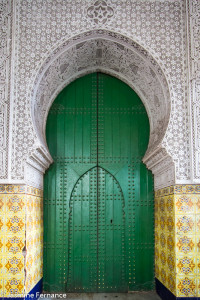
x: 96, y: 234
x: 98, y: 196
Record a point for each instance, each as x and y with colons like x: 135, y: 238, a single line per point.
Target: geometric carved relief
x: 194, y: 34
x: 95, y: 51
x: 3, y: 127
x: 157, y: 26
x: 127, y: 61
x: 100, y: 12
x: 196, y: 126
x: 5, y: 54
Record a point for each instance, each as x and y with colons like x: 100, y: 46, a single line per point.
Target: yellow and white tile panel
x: 181, y: 274
x: 12, y: 239
x: 34, y: 238
x: 20, y: 218
x: 165, y: 259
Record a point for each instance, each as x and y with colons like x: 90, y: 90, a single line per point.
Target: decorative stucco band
x: 5, y: 81
x: 193, y: 14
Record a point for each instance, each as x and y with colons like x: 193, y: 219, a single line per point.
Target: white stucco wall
x: 47, y: 43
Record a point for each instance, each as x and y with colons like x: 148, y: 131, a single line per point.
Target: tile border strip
x: 178, y: 189
x: 20, y: 189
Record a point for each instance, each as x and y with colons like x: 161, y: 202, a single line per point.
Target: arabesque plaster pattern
x: 102, y: 35
x: 157, y: 26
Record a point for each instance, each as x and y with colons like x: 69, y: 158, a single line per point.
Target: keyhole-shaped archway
x: 119, y: 56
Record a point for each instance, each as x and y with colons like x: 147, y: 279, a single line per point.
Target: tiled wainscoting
x: 177, y: 241
x: 21, y: 239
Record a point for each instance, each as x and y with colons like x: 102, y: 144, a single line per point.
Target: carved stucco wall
x: 194, y: 82
x: 43, y: 27
x: 5, y: 70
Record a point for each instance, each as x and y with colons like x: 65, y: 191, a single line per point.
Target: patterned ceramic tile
x: 2, y: 263
x: 185, y: 244
x: 14, y: 225
x: 12, y: 239
x: 186, y: 286
x: 197, y: 223
x: 170, y: 204
x: 2, y: 203
x: 197, y: 204
x: 13, y: 286
x: 29, y: 282
x: 198, y: 244
x: 1, y: 287
x: 187, y: 189
x: 14, y: 244
x: 14, y: 265
x: 163, y: 258
x: 2, y: 245
x: 15, y: 203
x: 171, y: 283
x: 164, y: 226
x: 170, y: 242
x: 2, y: 225
x: 162, y: 240
x: 171, y: 263
x: 163, y: 275
x: 198, y: 265
x: 34, y: 235
x: 12, y: 189
x: 162, y: 206
x: 184, y: 204
x: 185, y: 224
x: 177, y: 238
x: 20, y: 212
x: 186, y: 265
x: 170, y: 226
x: 157, y: 270
x: 198, y: 286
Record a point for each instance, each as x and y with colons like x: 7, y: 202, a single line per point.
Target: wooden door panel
x: 98, y: 195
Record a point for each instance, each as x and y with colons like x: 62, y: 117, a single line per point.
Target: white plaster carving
x: 194, y: 56
x: 5, y: 53
x: 3, y: 127
x: 157, y: 26
x: 162, y: 166
x: 128, y: 61
x: 39, y: 158
x: 33, y: 177
x: 38, y: 161
x: 100, y: 12
x: 128, y: 64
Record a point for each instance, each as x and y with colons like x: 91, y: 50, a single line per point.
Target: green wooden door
x: 98, y: 195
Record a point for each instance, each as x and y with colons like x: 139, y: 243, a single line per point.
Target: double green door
x: 98, y: 195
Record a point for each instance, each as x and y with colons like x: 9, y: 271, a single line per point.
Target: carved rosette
x: 100, y: 12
